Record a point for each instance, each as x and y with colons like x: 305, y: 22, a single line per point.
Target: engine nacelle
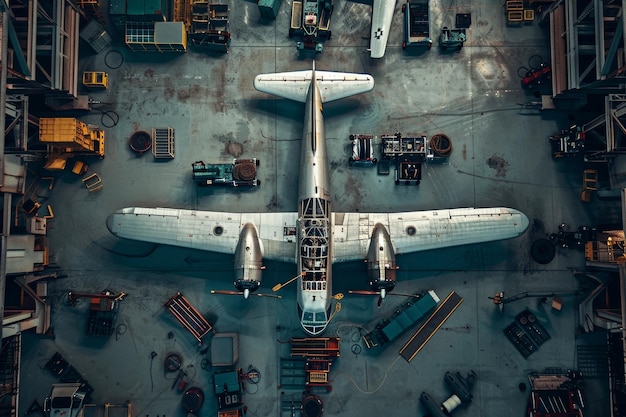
x: 381, y: 261
x: 248, y: 260
x: 431, y: 406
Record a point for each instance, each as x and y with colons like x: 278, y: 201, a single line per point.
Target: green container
x: 269, y: 8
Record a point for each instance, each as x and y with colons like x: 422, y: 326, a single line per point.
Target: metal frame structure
x: 587, y: 39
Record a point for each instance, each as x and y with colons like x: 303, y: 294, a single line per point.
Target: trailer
x: 239, y: 173
x: 416, y: 24
x: 315, y: 347
x: 310, y: 20
x: 402, y: 319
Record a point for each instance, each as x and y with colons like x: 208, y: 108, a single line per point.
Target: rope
x: 441, y: 144
x: 244, y: 171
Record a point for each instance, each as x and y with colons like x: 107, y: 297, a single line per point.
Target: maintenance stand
x: 408, y: 154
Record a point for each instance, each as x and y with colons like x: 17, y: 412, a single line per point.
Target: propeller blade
x: 363, y: 292
x: 404, y: 295
x: 379, y: 302
x: 268, y: 295
x: 226, y: 292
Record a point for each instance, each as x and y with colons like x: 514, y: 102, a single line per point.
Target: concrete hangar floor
x: 501, y: 157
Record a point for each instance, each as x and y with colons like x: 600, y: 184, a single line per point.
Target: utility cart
x: 310, y: 20
x: 239, y: 173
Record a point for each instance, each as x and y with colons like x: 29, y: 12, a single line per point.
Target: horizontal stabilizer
x: 332, y: 85
x: 382, y: 15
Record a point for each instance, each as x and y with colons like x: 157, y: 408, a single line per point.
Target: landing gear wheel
x: 542, y: 251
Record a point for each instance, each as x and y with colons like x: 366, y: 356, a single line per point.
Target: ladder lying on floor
x: 430, y: 326
x: 189, y: 317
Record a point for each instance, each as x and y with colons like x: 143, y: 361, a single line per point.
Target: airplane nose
x: 524, y: 223
x: 246, y: 293
x: 111, y: 223
x: 383, y: 292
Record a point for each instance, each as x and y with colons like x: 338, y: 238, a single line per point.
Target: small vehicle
x: 569, y: 142
x: 310, y: 20
x: 452, y: 39
x: 576, y: 239
x: 362, y: 151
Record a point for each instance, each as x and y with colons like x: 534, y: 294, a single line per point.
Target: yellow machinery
x: 95, y: 79
x: 69, y: 136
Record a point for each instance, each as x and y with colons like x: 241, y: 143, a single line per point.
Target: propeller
x: 245, y: 293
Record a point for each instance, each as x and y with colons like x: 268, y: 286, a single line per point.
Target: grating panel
x: 593, y: 361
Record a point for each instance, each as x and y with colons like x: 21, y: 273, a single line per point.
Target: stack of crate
x: 514, y: 11
x: 69, y: 135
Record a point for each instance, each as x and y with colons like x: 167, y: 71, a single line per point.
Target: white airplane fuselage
x: 314, y: 234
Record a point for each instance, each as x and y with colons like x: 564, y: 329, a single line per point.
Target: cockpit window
x: 307, y: 316
x: 320, y: 317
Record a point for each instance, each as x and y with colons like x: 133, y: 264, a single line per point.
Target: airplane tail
x: 294, y: 85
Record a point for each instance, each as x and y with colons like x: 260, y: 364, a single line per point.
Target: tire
x: 404, y: 8
x: 403, y: 45
x: 542, y: 251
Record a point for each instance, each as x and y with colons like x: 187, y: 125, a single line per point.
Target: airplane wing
x: 207, y: 230
x: 423, y: 230
x: 294, y: 85
x: 382, y: 15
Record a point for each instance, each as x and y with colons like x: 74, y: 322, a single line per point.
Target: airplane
x: 315, y: 237
x: 382, y: 15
